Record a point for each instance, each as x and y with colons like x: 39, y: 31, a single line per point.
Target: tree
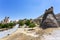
x: 11, y: 24
x: 20, y: 22
x: 4, y: 26
x: 0, y: 25
x: 8, y: 25
x: 27, y: 22
x: 32, y: 25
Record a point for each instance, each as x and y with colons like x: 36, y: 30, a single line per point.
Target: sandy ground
x: 22, y: 34
x: 54, y: 35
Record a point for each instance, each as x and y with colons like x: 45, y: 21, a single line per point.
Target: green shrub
x: 4, y: 26
x: 32, y: 25
x: 0, y: 25
x: 11, y: 24
x: 8, y: 25
x: 21, y: 23
x: 27, y: 22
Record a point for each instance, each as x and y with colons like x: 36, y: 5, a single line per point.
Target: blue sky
x: 20, y: 9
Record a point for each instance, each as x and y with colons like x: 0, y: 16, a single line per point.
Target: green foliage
x: 11, y: 24
x: 20, y: 22
x: 4, y: 26
x: 27, y: 22
x: 32, y: 25
x: 0, y: 25
x: 8, y: 25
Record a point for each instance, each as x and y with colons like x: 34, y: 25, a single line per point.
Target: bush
x: 27, y: 22
x: 0, y: 25
x: 21, y: 23
x: 32, y: 25
x: 11, y: 24
x: 8, y: 25
x: 4, y: 26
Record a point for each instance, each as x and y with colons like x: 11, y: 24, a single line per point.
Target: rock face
x: 49, y: 19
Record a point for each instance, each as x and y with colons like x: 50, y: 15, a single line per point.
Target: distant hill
x: 38, y: 19
x: 57, y: 16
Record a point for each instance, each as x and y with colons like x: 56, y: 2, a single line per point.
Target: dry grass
x: 50, y: 30
x: 20, y: 36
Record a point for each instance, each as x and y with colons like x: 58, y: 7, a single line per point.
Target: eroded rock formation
x: 49, y: 20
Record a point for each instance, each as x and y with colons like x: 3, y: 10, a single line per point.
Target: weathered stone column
x: 49, y: 19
